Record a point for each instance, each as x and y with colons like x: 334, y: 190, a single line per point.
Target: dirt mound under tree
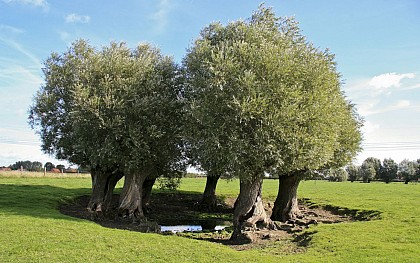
x: 174, y: 209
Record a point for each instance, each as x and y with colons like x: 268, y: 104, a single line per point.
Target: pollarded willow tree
x: 346, y: 124
x: 131, y: 115
x: 51, y: 116
x: 50, y: 112
x: 123, y: 111
x: 263, y: 99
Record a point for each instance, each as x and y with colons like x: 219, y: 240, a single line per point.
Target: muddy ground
x: 168, y: 209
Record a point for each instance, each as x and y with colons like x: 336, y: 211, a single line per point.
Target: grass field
x: 33, y: 230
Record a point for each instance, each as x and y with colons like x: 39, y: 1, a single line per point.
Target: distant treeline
x: 372, y: 169
x: 40, y: 167
x: 387, y: 170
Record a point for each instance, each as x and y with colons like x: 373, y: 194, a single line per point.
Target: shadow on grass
x: 44, y: 201
x: 167, y: 208
x: 354, y: 214
x: 40, y: 201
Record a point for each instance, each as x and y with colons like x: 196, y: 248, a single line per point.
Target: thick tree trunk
x: 366, y: 179
x: 147, y: 192
x: 286, y: 204
x: 132, y: 196
x: 249, y: 212
x: 98, y: 191
x: 103, y: 184
x: 112, y: 182
x: 209, y: 201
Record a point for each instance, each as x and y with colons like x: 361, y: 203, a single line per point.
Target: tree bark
x: 147, y: 192
x: 249, y: 212
x: 98, y: 190
x: 209, y: 201
x: 131, y: 197
x: 103, y: 185
x: 286, y: 204
x: 112, y: 182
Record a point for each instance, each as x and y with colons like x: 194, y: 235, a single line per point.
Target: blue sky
x: 377, y: 47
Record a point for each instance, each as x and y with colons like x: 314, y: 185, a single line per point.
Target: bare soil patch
x: 173, y: 208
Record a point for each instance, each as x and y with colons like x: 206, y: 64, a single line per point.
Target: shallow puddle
x: 189, y: 228
x: 194, y: 225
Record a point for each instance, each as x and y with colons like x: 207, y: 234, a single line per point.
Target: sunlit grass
x: 33, y: 230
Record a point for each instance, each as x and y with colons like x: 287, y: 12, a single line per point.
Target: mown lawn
x: 33, y: 230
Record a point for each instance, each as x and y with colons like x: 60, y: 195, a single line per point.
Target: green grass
x: 33, y: 230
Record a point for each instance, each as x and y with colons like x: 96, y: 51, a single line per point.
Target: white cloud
x: 75, y: 18
x: 401, y: 104
x: 37, y: 3
x: 365, y: 107
x: 383, y: 93
x: 411, y: 87
x: 11, y: 153
x: 388, y: 102
x: 19, y: 143
x: 370, y: 128
x: 372, y: 108
x: 388, y: 80
x: 160, y: 17
x: 397, y: 140
x: 65, y: 36
x: 19, y: 74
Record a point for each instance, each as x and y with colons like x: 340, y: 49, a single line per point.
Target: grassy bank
x: 33, y: 230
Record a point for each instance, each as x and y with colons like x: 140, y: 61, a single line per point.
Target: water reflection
x: 175, y: 229
x: 191, y: 228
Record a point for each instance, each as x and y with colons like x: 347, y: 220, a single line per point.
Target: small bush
x: 338, y: 175
x: 168, y: 183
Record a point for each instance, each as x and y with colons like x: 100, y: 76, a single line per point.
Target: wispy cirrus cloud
x: 19, y: 48
x: 160, y: 17
x: 36, y: 3
x: 76, y: 18
x: 18, y: 74
x: 11, y: 29
x: 375, y: 107
x: 8, y: 36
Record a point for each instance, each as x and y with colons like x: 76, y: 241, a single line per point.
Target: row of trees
x: 36, y: 166
x: 27, y: 166
x: 250, y: 98
x: 387, y: 171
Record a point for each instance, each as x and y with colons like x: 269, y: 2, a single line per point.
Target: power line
x: 388, y: 146
x: 18, y: 142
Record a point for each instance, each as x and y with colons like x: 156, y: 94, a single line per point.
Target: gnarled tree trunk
x: 249, y: 212
x: 103, y: 184
x: 131, y: 198
x: 208, y: 201
x: 286, y: 204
